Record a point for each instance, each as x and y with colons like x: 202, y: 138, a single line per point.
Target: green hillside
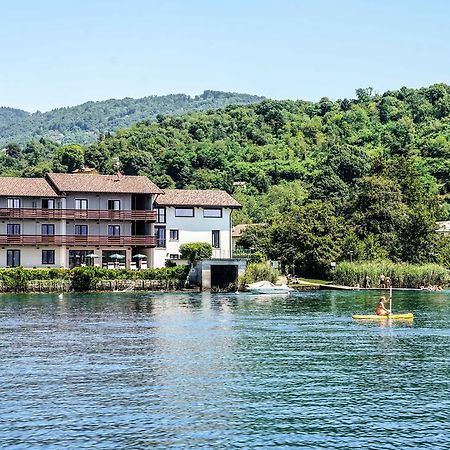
x: 367, y: 176
x: 85, y: 123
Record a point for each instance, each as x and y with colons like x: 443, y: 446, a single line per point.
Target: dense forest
x: 363, y: 178
x: 87, y: 122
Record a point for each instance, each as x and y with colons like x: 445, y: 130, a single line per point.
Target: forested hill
x: 370, y: 175
x: 85, y: 123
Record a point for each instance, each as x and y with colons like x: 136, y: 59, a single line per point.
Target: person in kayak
x: 381, y: 309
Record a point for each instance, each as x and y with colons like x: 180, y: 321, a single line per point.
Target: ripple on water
x: 221, y: 371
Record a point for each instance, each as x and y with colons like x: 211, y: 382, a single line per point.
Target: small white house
x: 186, y: 216
x: 443, y: 227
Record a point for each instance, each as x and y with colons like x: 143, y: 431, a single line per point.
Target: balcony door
x: 14, y: 203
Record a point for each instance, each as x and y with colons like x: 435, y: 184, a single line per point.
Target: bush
x: 15, y: 280
x: 402, y: 275
x: 84, y: 278
x: 258, y: 272
x: 195, y: 251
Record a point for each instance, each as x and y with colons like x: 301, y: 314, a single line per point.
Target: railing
x: 70, y: 239
x: 82, y: 214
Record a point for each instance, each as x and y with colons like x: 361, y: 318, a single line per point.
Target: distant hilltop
x: 86, y: 122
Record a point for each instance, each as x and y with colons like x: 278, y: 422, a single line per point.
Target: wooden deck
x: 337, y: 287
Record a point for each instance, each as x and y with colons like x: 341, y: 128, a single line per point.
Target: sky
x: 57, y: 53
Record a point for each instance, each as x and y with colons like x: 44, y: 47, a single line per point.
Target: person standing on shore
x: 367, y: 281
x: 382, y: 281
x: 388, y: 282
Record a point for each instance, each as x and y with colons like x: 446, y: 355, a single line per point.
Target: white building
x: 443, y: 227
x: 185, y: 216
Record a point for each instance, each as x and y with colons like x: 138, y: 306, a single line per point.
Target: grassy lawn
x: 310, y: 281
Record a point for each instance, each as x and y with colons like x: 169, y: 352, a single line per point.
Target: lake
x: 154, y: 370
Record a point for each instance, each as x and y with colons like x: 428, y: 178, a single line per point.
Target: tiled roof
x: 240, y: 228
x: 187, y: 197
x: 125, y: 184
x: 25, y: 187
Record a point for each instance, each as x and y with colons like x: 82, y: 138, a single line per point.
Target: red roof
x: 188, y: 197
x: 26, y: 187
x: 125, y: 184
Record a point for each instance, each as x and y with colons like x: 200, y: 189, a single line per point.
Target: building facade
x: 185, y: 216
x: 67, y: 220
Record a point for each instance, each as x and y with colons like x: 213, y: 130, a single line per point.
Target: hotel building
x: 66, y: 220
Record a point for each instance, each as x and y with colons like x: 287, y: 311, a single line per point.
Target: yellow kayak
x: 390, y: 316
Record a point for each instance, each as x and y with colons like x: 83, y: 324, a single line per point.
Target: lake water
x: 131, y: 371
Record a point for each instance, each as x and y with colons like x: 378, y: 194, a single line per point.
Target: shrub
x: 15, y: 280
x: 258, y: 272
x: 195, y: 251
x: 84, y: 278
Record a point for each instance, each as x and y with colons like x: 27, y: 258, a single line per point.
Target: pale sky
x: 64, y: 52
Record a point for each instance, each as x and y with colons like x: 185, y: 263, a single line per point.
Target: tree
x: 379, y: 210
x: 311, y: 237
x: 68, y: 158
x: 13, y: 150
x: 195, y: 251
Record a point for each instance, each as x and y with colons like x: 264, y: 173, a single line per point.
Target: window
x: 212, y: 212
x: 13, y: 229
x: 216, y: 238
x: 114, y: 205
x: 173, y: 235
x: 48, y: 256
x: 160, y: 234
x: 13, y: 258
x: 81, y: 203
x: 47, y: 229
x: 161, y: 213
x: 184, y: 212
x: 81, y: 230
x: 13, y: 202
x: 113, y: 230
x: 48, y: 203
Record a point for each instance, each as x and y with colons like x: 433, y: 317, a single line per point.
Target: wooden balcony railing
x: 81, y: 214
x: 71, y: 240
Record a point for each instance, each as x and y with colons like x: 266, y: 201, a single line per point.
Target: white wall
x: 32, y: 257
x: 195, y: 229
x: 98, y: 201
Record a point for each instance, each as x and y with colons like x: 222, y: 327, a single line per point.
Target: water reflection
x: 222, y: 371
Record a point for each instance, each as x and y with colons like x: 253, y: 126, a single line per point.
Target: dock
x: 337, y: 287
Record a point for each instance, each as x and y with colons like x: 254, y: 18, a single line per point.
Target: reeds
x: 402, y: 275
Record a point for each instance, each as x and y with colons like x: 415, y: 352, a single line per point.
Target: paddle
x: 390, y: 299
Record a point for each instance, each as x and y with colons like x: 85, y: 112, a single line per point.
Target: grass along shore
x: 402, y: 275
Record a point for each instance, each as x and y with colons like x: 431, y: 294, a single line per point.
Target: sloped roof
x: 26, y: 187
x: 125, y: 184
x: 188, y: 197
x: 238, y: 229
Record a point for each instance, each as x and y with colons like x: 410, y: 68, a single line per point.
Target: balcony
x: 81, y: 214
x: 72, y: 240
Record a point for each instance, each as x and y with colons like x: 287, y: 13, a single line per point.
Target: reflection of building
x: 443, y: 227
x: 65, y: 220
